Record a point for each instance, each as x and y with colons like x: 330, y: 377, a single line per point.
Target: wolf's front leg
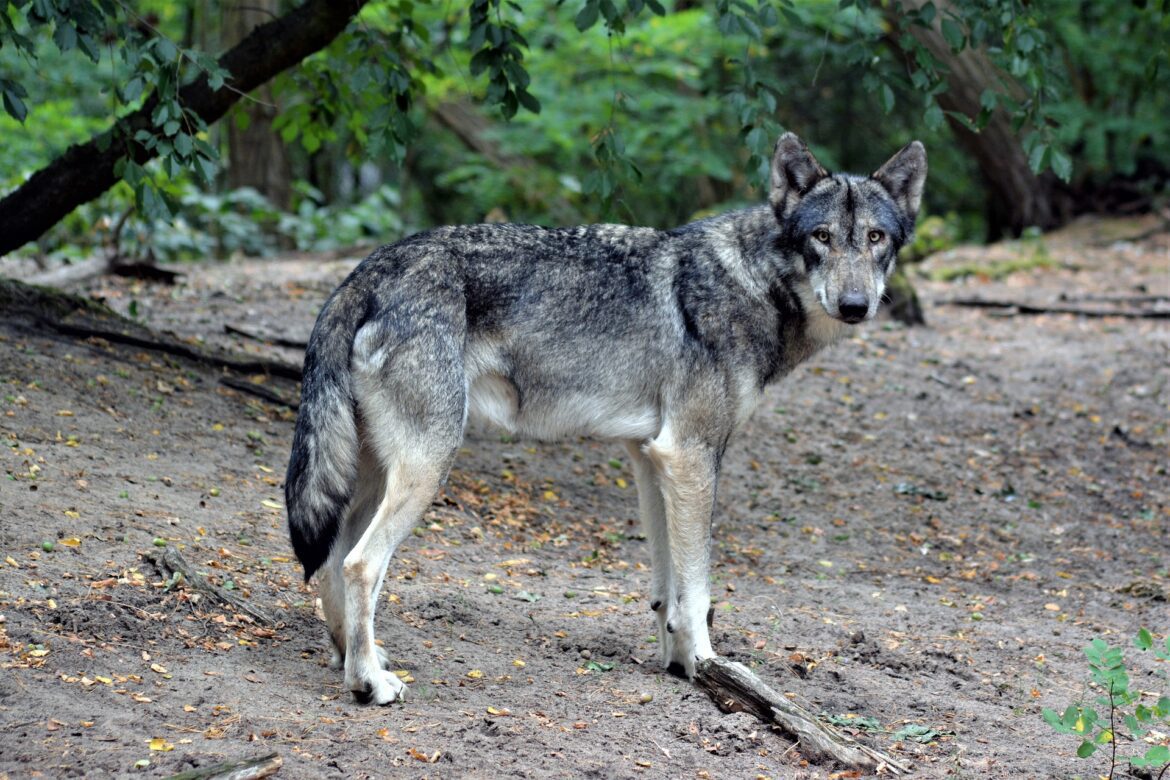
x: 687, y: 473
x: 653, y: 514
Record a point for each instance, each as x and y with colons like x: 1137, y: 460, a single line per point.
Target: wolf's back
x: 323, y: 466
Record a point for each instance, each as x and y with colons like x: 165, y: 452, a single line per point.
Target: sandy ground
x: 919, y: 528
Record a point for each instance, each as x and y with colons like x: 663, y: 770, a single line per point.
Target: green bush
x: 1124, y: 713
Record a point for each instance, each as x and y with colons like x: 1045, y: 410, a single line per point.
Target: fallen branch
x: 1029, y: 308
x: 258, y: 390
x: 179, y: 349
x: 735, y: 688
x: 264, y: 338
x: 72, y: 273
x: 1134, y: 300
x: 248, y: 769
x: 169, y: 562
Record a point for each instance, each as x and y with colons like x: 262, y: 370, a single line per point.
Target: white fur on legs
x: 368, y: 494
x: 407, y: 496
x: 331, y: 588
x: 653, y: 513
x: 686, y: 473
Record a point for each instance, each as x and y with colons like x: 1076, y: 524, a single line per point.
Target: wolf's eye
x: 875, y: 236
x: 822, y: 236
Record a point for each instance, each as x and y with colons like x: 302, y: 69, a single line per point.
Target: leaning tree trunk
x: 257, y: 157
x: 87, y: 170
x: 1017, y: 198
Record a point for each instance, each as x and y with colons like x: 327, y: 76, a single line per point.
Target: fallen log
x: 248, y: 769
x: 735, y: 688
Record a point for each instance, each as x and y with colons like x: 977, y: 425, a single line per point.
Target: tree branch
x: 1015, y: 307
x: 86, y: 170
x: 734, y: 687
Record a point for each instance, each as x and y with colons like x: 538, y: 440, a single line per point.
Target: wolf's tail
x: 323, y: 466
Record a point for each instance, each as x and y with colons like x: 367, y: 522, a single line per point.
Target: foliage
x: 932, y: 234
x: 628, y: 109
x: 243, y: 222
x: 1125, y: 714
x: 148, y: 63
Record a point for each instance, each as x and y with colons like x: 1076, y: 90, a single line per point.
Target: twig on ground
x: 260, y: 391
x: 267, y: 338
x: 248, y: 769
x: 734, y: 687
x: 169, y: 560
x: 1015, y: 307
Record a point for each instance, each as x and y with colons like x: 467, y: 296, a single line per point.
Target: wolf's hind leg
x: 369, y: 490
x: 408, y: 493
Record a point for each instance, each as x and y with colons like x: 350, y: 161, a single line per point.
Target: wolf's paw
x: 381, y: 688
x: 337, y: 659
x: 684, y: 643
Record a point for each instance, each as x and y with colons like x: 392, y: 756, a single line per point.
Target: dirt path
x: 919, y: 528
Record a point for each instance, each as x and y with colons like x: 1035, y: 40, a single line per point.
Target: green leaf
x: 65, y: 36
x: 1061, y: 165
x: 953, y: 34
x: 933, y: 116
x: 1086, y: 749
x: 87, y: 44
x: 587, y: 17
x: 887, y: 98
x: 509, y: 105
x: 15, y: 107
x: 527, y: 100
x: 166, y: 51
x: 1157, y: 755
x: 1036, y: 161
x: 205, y: 168
x: 132, y: 90
x: 481, y: 60
x: 757, y: 140
x: 750, y: 28
x: 1144, y: 639
x: 917, y: 733
x: 152, y: 205
x: 1052, y: 718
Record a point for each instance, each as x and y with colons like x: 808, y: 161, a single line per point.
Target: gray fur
x: 661, y: 339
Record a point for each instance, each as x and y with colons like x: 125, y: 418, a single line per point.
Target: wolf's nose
x: 853, y: 306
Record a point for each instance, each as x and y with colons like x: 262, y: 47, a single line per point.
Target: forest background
x: 401, y: 115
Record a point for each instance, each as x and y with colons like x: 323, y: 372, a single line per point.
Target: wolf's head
x: 846, y: 230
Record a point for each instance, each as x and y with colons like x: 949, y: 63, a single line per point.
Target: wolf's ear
x: 904, y: 175
x: 794, y: 172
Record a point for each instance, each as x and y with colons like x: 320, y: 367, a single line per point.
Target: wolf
x: 663, y: 340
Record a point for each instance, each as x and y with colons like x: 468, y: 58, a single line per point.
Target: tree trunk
x: 256, y: 153
x: 87, y: 170
x: 1017, y: 198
